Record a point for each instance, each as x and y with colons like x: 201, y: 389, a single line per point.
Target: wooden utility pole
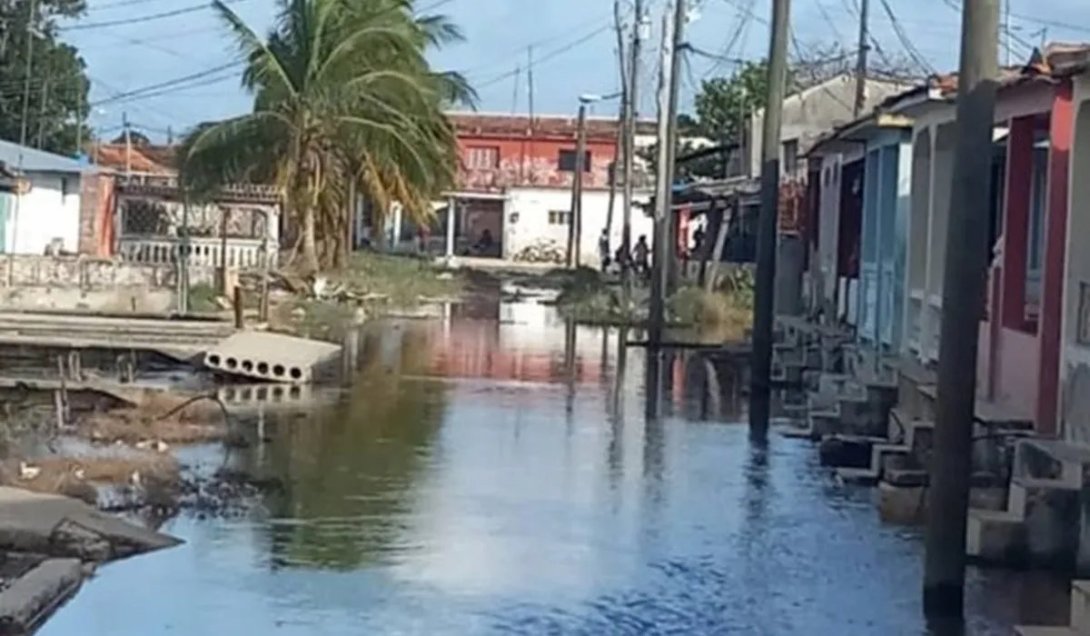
x: 963, y: 292
x: 630, y: 107
x: 575, y: 220
x: 861, y: 59
x: 763, y: 309
x: 667, y: 138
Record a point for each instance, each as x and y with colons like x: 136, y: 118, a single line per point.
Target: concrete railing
x: 201, y: 251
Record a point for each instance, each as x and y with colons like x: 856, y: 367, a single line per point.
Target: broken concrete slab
x: 64, y: 527
x: 34, y: 596
x: 270, y: 356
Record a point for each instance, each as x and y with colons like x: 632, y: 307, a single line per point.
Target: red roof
x: 496, y: 125
x: 148, y: 159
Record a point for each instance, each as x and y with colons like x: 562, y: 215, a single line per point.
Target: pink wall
x: 1061, y: 133
x: 1017, y: 375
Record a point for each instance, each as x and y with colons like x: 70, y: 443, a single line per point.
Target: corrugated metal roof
x: 24, y: 159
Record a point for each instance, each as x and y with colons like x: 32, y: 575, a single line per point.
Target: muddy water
x: 496, y: 471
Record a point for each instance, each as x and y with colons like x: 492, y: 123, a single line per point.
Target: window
x: 791, y: 156
x: 482, y: 157
x: 66, y: 187
x: 559, y: 217
x: 565, y: 161
x: 1036, y: 234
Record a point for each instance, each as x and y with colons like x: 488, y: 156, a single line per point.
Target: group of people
x: 639, y: 260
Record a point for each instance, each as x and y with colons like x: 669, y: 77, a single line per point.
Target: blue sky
x: 573, y: 34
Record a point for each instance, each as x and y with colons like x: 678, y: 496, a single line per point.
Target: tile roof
x: 26, y: 159
x: 148, y: 159
x: 467, y: 123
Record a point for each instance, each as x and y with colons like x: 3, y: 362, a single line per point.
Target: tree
x: 57, y: 106
x: 723, y: 103
x: 343, y: 97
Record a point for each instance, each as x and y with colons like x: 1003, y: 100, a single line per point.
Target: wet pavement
x: 497, y: 472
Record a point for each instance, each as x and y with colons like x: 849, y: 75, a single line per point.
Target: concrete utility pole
x: 763, y: 309
x: 31, y: 32
x: 575, y: 222
x: 630, y: 107
x: 667, y: 139
x: 861, y: 59
x: 963, y: 292
x: 681, y: 16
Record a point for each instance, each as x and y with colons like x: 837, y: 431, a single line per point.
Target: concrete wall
x: 526, y: 220
x: 49, y: 210
x: 1075, y: 365
x: 40, y: 282
x: 815, y: 111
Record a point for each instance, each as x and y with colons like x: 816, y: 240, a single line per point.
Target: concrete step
x: 1080, y: 607
x: 860, y: 476
x: 848, y: 451
x: 996, y: 536
x: 1024, y: 630
x: 1050, y: 459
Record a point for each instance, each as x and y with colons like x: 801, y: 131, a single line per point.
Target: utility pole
x: 861, y: 59
x: 681, y: 16
x: 128, y: 144
x: 575, y: 220
x: 41, y: 113
x: 630, y: 108
x: 672, y: 31
x: 31, y: 29
x: 963, y: 291
x: 763, y: 309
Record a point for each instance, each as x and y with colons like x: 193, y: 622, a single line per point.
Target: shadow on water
x: 500, y: 470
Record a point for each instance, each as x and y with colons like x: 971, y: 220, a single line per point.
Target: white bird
x: 144, y: 444
x: 79, y: 473
x: 28, y: 472
x: 134, y: 479
x: 160, y: 446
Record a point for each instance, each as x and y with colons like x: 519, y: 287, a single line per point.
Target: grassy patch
x: 402, y: 280
x: 202, y: 298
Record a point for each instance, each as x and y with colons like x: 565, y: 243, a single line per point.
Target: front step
x: 1080, y: 616
x: 995, y: 536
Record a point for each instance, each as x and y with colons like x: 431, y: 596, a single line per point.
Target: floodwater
x: 497, y: 472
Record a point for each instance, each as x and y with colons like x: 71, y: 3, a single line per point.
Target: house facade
x: 515, y: 184
x: 40, y: 208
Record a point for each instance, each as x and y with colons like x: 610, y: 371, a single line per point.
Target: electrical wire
x: 167, y: 84
x: 141, y: 18
x: 548, y: 56
x: 906, y: 41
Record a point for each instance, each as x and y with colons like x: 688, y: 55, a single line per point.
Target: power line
x: 167, y: 84
x: 906, y: 41
x: 548, y: 56
x: 142, y: 18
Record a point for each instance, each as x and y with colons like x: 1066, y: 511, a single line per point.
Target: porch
x: 157, y: 224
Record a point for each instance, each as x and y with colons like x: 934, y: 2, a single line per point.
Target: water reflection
x: 503, y: 471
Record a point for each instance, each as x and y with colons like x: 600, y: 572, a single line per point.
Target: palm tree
x: 344, y: 99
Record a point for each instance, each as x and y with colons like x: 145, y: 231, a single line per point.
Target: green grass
x: 202, y: 298
x: 403, y: 280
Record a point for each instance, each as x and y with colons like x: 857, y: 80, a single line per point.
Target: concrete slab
x: 64, y: 527
x: 34, y: 596
x: 1023, y: 630
x: 270, y: 356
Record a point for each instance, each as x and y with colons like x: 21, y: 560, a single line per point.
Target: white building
x: 40, y: 208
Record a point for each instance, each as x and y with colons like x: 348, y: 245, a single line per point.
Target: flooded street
x: 495, y: 472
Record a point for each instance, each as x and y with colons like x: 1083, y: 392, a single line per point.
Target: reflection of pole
x: 963, y: 289
x: 224, y: 213
x: 760, y: 381
x: 575, y: 220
